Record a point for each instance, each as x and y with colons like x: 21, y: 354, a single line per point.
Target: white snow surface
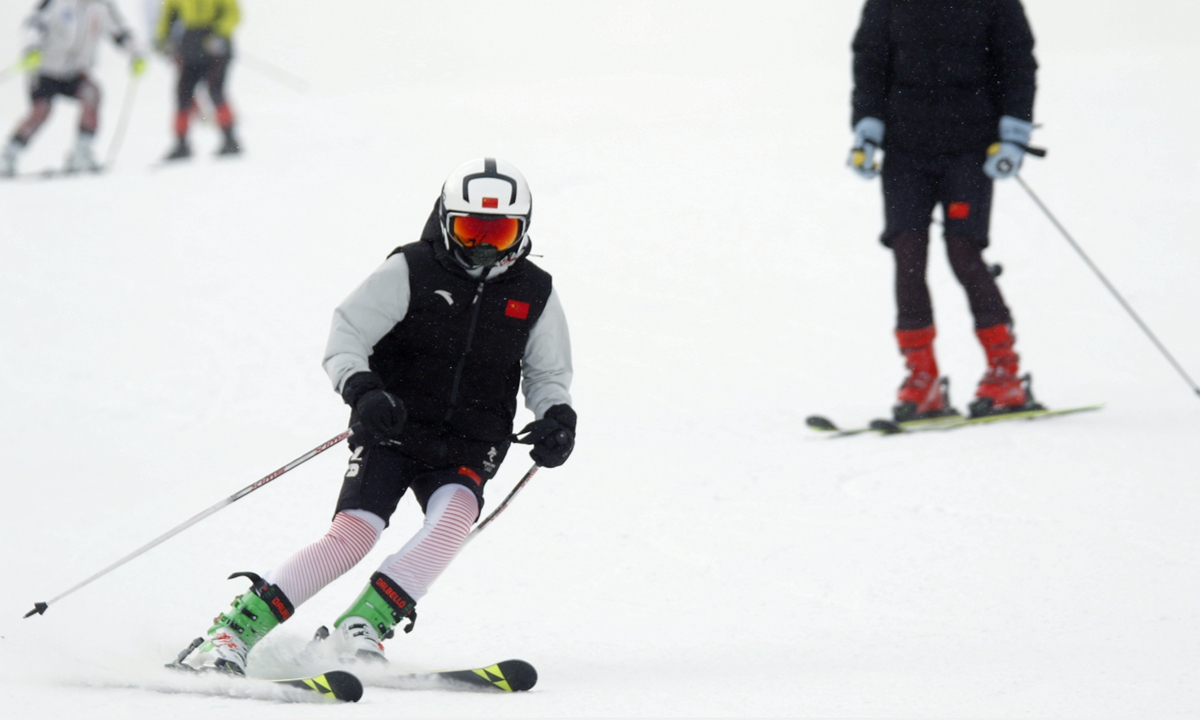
x: 702, y: 553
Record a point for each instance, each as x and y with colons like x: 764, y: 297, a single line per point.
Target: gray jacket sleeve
x: 119, y: 30
x: 363, y: 318
x: 381, y: 301
x: 35, y: 28
x: 546, y: 370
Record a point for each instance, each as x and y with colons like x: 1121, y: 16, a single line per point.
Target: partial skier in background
x: 945, y: 88
x: 60, y: 50
x: 429, y: 353
x: 198, y: 35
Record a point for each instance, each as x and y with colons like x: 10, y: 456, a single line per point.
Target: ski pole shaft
x: 122, y: 124
x: 496, y: 513
x: 1128, y: 308
x: 40, y: 608
x: 273, y: 71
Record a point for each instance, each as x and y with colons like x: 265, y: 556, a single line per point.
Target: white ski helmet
x: 485, y: 212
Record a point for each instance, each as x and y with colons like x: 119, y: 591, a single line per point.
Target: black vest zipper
x: 462, y: 361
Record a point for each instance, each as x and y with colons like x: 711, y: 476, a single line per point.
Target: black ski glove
x: 379, y: 414
x: 552, y: 437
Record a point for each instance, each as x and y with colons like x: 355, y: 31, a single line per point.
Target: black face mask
x: 479, y: 256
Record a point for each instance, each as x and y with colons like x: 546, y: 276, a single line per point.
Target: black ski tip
x: 38, y: 609
x: 816, y: 422
x: 345, y: 686
x: 887, y: 427
x: 506, y: 676
x: 521, y: 676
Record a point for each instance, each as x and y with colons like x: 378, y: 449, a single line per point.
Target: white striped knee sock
x: 449, y: 514
x: 352, y: 536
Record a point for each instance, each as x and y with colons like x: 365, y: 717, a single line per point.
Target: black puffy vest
x: 940, y: 73
x: 455, y: 358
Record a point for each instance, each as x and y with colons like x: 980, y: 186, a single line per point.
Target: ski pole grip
x: 1034, y: 151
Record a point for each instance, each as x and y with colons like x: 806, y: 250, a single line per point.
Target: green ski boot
x: 234, y: 633
x: 373, y: 618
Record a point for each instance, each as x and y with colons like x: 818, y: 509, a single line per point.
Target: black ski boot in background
x: 181, y: 151
x: 231, y: 146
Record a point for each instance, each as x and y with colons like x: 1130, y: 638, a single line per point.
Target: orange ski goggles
x: 496, y: 230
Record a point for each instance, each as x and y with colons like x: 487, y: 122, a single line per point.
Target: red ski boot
x: 1001, y: 390
x: 923, y: 394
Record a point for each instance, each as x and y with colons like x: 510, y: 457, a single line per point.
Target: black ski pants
x: 42, y: 93
x: 200, y: 62
x: 211, y: 72
x: 914, y: 308
x: 379, y: 474
x: 912, y: 186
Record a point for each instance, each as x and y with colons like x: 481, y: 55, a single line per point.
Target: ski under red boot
x: 1002, y: 389
x: 923, y: 394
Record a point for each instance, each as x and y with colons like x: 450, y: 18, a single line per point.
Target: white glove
x: 868, y: 136
x: 1004, y: 157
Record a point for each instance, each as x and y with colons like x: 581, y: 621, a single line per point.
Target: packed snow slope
x: 702, y: 553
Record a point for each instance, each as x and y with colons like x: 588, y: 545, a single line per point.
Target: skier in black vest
x: 429, y: 353
x: 952, y: 84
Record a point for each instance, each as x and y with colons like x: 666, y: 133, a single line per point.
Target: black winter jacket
x: 456, y: 364
x: 940, y: 73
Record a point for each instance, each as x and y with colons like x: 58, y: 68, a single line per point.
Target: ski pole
x: 122, y: 123
x: 1129, y: 309
x: 273, y: 71
x: 496, y: 513
x: 40, y: 608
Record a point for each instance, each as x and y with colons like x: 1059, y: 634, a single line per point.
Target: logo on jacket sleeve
x: 445, y: 295
x: 517, y: 309
x: 958, y: 211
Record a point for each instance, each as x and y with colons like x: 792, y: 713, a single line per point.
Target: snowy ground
x: 702, y: 554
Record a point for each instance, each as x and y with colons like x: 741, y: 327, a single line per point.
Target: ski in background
x: 56, y: 174
x: 891, y: 427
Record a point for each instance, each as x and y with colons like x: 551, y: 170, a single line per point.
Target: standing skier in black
x: 945, y: 88
x: 198, y: 35
x: 429, y: 353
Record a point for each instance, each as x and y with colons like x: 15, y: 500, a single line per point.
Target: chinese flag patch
x: 958, y: 211
x: 491, y: 202
x: 517, y: 309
